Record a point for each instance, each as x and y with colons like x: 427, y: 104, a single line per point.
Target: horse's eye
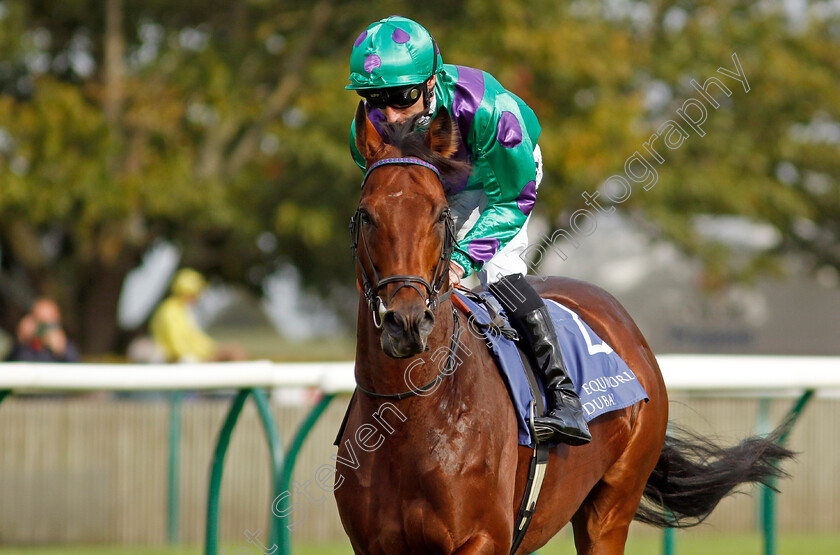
x: 364, y: 217
x: 443, y: 216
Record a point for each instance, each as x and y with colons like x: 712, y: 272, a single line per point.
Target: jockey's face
x: 400, y: 115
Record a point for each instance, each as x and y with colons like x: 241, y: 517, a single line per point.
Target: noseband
x: 431, y: 296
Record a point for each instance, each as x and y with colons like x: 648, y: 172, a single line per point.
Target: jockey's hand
x: 455, y: 273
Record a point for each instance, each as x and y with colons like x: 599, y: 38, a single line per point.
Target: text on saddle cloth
x: 602, y: 379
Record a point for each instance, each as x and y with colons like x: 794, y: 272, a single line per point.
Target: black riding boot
x: 563, y: 420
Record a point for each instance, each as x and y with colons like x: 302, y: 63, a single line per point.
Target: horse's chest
x: 435, y: 461
x: 436, y: 481
x: 449, y: 446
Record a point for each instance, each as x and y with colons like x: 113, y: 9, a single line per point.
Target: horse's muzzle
x: 405, y: 334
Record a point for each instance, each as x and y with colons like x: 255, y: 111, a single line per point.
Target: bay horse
x: 449, y: 475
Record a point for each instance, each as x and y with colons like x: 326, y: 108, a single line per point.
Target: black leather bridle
x: 431, y: 295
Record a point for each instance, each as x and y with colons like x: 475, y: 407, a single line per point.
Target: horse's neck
x: 375, y: 371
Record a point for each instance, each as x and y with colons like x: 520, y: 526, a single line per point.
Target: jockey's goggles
x: 398, y: 98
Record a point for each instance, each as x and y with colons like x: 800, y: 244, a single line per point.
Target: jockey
x: 396, y: 67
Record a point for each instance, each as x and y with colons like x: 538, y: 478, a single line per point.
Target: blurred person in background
x: 41, y: 338
x: 174, y: 328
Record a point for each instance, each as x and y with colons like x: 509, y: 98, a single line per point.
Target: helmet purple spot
x: 400, y: 36
x: 360, y: 39
x: 372, y: 62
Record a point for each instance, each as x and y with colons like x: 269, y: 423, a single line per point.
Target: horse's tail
x: 693, y: 474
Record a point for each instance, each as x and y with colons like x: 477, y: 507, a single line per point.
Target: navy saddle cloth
x: 602, y: 379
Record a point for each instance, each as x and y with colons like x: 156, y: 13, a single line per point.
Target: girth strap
x: 536, y: 475
x: 537, y: 468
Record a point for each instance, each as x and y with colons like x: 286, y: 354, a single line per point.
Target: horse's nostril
x: 396, y: 324
x: 426, y: 323
x: 393, y: 323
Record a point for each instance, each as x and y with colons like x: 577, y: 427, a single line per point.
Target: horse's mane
x: 411, y: 141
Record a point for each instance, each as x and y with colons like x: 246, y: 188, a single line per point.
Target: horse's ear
x: 443, y: 134
x: 368, y: 140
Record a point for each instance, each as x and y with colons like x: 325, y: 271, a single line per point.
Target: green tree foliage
x: 604, y: 76
x: 127, y: 122
x: 224, y: 130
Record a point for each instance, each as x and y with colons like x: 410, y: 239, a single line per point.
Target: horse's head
x: 403, y: 233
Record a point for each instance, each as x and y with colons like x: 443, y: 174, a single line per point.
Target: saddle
x: 602, y: 379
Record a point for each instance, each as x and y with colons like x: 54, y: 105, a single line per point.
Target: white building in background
x: 661, y: 289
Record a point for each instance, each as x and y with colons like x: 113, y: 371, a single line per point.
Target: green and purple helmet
x: 393, y: 52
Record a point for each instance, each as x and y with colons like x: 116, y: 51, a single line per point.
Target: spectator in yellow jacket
x: 173, y: 326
